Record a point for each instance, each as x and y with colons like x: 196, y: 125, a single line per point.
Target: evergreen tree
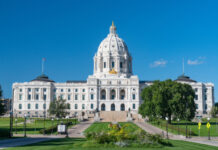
x: 2, y: 108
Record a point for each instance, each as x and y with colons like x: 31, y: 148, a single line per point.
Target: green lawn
x: 193, y: 127
x: 33, y: 127
x: 75, y: 144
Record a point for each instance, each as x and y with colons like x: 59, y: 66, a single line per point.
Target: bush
x: 4, y: 132
x: 121, y: 137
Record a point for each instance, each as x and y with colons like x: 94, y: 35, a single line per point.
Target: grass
x: 98, y: 127
x: 192, y: 127
x: 33, y: 127
x: 75, y: 144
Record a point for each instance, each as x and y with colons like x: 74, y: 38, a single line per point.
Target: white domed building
x: 112, y: 87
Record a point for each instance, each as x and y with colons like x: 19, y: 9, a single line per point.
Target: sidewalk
x: 74, y: 132
x: 155, y: 130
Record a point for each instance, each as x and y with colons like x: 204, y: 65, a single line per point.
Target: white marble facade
x: 112, y: 87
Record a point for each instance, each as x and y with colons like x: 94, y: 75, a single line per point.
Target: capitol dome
x: 112, y: 44
x: 112, y: 57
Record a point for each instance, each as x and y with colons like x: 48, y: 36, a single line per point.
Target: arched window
x: 113, y: 94
x: 122, y: 107
x: 102, y: 107
x: 112, y: 107
x: 76, y: 106
x: 122, y: 94
x: 112, y: 64
x: 103, y: 94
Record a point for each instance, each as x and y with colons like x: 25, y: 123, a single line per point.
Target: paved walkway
x: 77, y: 130
x: 154, y: 130
x: 74, y: 132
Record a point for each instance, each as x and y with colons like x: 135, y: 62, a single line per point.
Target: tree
x: 58, y: 108
x: 168, y: 99
x: 214, y: 111
x: 2, y: 107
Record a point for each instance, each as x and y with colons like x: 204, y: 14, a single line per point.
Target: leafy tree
x: 214, y: 111
x: 2, y: 108
x: 58, y: 108
x: 168, y: 99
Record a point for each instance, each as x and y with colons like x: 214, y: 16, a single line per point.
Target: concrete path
x: 154, y: 130
x: 77, y: 130
x: 21, y: 141
x: 74, y: 132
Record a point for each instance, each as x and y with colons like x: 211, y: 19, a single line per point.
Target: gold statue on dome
x: 113, y: 71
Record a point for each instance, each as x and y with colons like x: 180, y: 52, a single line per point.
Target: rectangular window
x: 44, y: 106
x: 76, y: 97
x: 83, y: 106
x: 37, y: 96
x: 92, y: 106
x: 205, y: 106
x: 44, y: 97
x: 133, y: 106
x: 44, y: 89
x: 36, y: 106
x: 133, y: 96
x: 76, y: 106
x: 62, y: 90
x: 37, y: 89
x: 29, y: 106
x: 121, y: 65
x: 196, y: 90
x: 29, y: 89
x: 196, y: 106
x: 20, y: 90
x: 69, y: 97
x: 20, y: 106
x: 92, y: 96
x: 68, y: 90
x: 76, y: 90
x: 83, y: 97
x: 205, y: 97
x: 29, y: 97
x: 104, y: 64
x: 112, y: 65
x: 196, y: 97
x: 20, y: 96
x: 84, y: 90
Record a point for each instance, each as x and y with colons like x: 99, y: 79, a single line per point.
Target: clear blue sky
x: 159, y: 34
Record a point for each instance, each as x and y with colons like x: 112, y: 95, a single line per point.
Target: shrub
x: 122, y: 137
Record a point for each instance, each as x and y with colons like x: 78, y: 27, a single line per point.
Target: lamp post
x: 178, y: 126
x: 16, y: 126
x: 25, y: 116
x: 67, y: 117
x: 44, y: 117
x: 208, y: 128
x: 167, y: 127
x: 52, y: 121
